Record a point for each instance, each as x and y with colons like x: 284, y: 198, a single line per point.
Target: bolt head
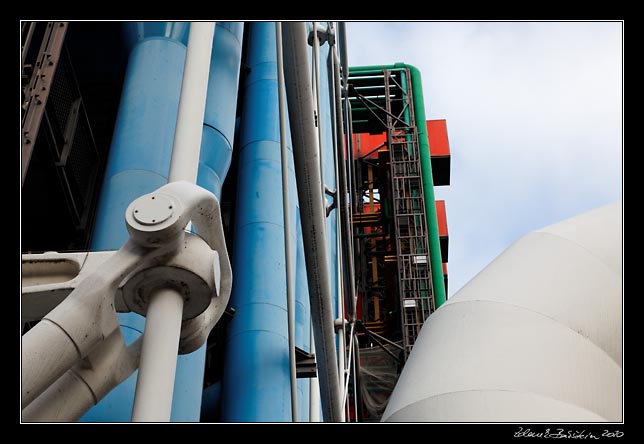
x: 153, y: 210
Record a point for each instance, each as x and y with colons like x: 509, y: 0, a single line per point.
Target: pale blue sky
x: 534, y: 118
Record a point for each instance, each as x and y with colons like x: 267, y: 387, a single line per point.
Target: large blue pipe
x: 140, y: 160
x: 256, y: 385
x: 221, y: 106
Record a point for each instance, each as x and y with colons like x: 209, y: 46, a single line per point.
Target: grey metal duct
x: 312, y: 211
x: 536, y: 336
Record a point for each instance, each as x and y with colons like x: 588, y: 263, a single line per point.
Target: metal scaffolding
x: 414, y: 274
x: 387, y: 100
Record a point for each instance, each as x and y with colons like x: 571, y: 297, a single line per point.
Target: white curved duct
x: 536, y: 336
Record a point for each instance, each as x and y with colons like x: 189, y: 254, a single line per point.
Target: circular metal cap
x: 153, y: 210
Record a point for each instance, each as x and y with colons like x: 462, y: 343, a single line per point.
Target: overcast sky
x: 534, y: 119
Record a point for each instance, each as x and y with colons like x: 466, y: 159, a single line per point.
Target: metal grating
x: 37, y: 74
x: 414, y: 274
x: 81, y: 169
x: 62, y: 96
x: 82, y: 161
x: 68, y: 133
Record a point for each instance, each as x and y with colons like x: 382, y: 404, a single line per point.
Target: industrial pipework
x: 256, y: 377
x: 313, y: 212
x: 156, y: 273
x: 139, y: 162
x: 436, y: 261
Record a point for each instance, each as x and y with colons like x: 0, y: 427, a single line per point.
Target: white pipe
x: 85, y: 384
x: 290, y: 281
x: 65, y: 400
x: 342, y: 34
x: 542, y: 327
x: 40, y: 370
x: 342, y: 187
x: 155, y: 382
x: 356, y: 388
x: 342, y: 373
x: 312, y: 209
x: 71, y: 330
x: 316, y: 91
x: 192, y: 103
x: 341, y: 332
x: 338, y: 226
x: 345, y: 388
x: 342, y: 370
x: 314, y: 388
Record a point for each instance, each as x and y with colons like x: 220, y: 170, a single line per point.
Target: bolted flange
x: 152, y: 209
x: 153, y: 219
x: 193, y: 272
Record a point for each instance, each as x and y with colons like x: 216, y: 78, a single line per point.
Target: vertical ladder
x: 414, y: 273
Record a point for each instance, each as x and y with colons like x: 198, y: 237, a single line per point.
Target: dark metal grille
x: 62, y: 96
x: 54, y: 105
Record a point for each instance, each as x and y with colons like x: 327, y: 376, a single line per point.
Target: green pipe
x: 373, y: 69
x: 407, y: 118
x: 426, y: 168
x: 428, y: 185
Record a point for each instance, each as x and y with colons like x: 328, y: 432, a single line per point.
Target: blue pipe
x: 302, y: 317
x: 211, y: 404
x: 256, y: 385
x: 221, y: 105
x: 140, y: 160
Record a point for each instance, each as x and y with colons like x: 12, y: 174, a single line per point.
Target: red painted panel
x: 368, y: 142
x: 437, y: 135
x: 441, y: 215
